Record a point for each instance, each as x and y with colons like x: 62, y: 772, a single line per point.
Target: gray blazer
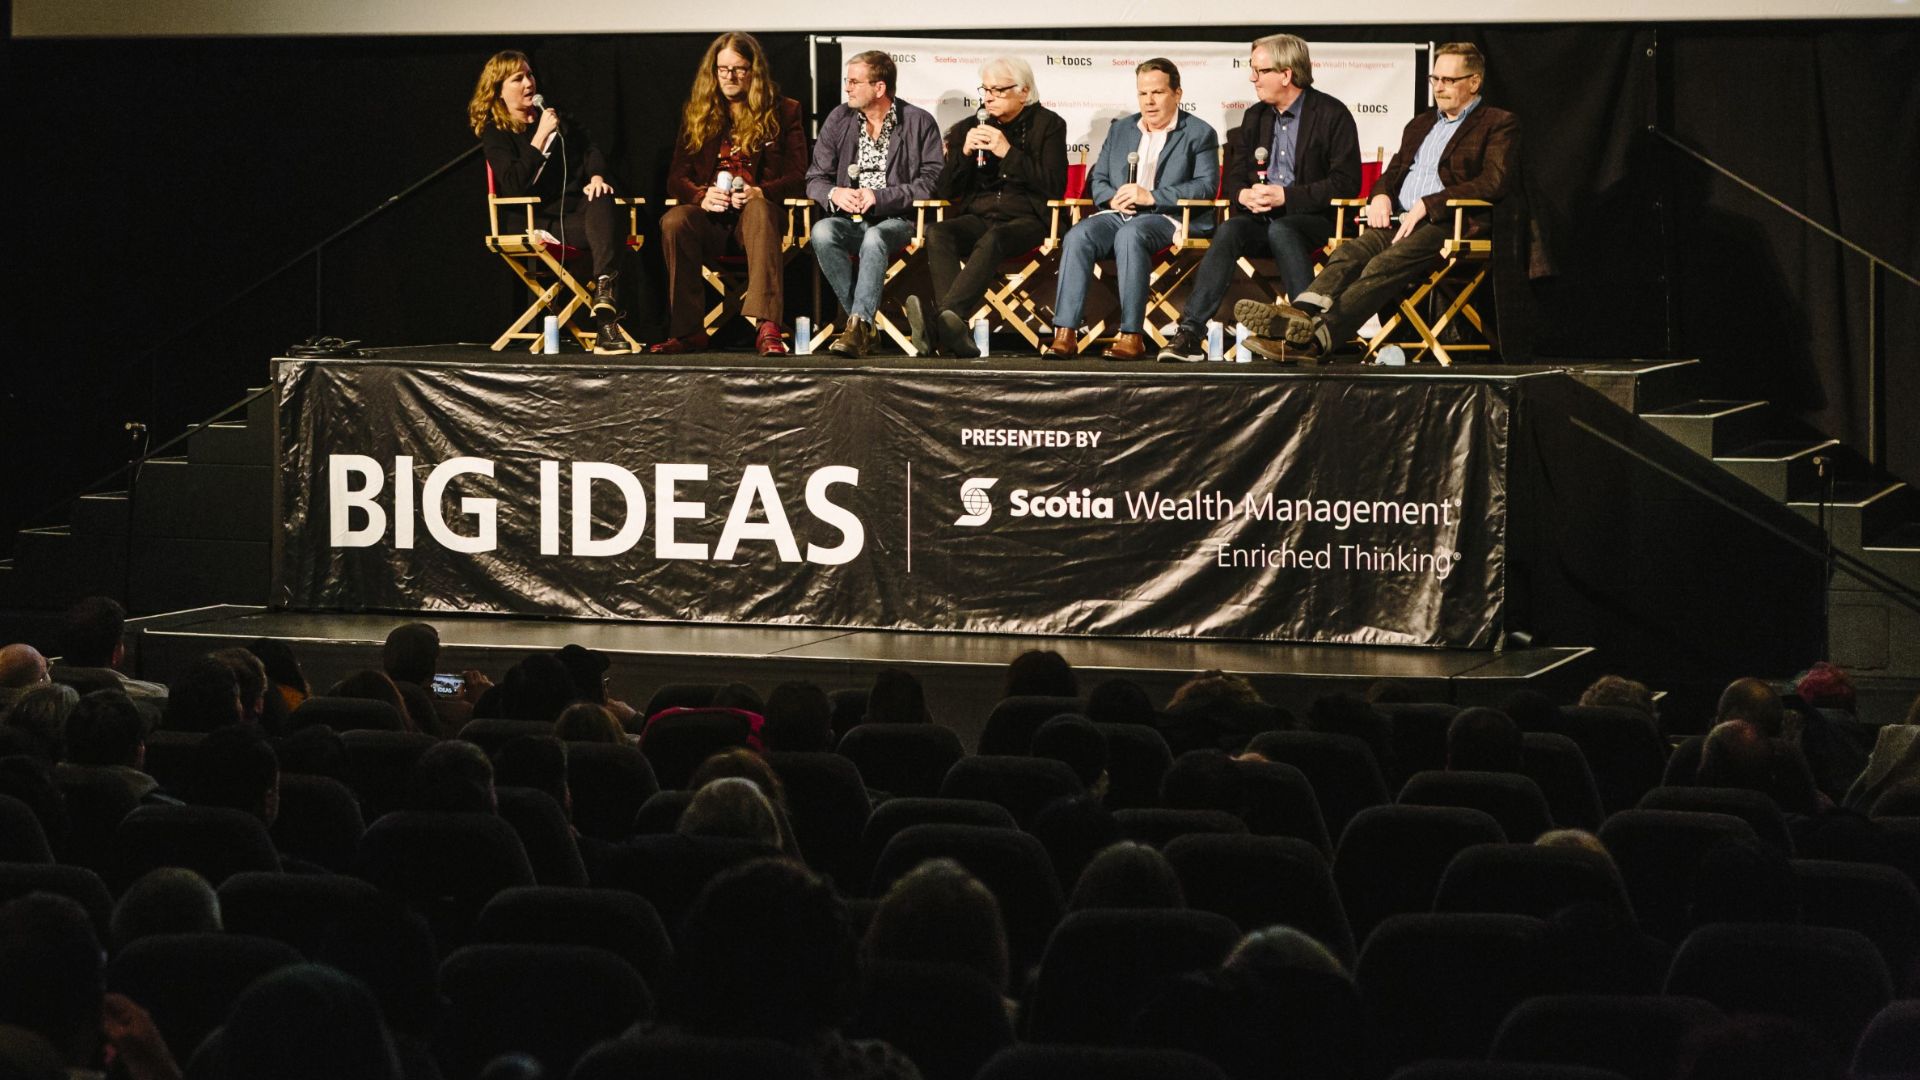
x: 913, y: 158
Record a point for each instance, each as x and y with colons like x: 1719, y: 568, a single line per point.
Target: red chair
x: 539, y: 260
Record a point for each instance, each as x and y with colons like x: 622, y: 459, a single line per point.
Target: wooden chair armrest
x: 1058, y: 203
x: 1468, y: 202
x: 1460, y: 208
x: 920, y: 208
x: 940, y: 203
x: 515, y: 200
x: 629, y: 200
x: 1217, y: 204
x: 1346, y: 202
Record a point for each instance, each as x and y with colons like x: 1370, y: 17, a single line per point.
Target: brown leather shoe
x: 1064, y: 346
x: 767, y: 340
x: 1126, y: 346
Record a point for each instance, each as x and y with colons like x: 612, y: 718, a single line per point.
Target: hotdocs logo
x: 973, y: 499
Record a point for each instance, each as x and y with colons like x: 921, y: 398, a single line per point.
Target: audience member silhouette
x: 1041, y: 673
x: 452, y: 775
x: 1128, y: 875
x: 204, y: 696
x: 165, y: 900
x: 798, y: 717
x: 1484, y: 740
x: 938, y: 913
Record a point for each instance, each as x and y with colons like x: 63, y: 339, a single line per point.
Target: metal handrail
x: 1877, y: 268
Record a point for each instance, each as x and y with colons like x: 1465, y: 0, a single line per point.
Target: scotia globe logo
x: 973, y: 499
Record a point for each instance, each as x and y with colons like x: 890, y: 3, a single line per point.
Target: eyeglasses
x: 737, y: 72
x: 1448, y: 80
x: 998, y: 91
x: 1259, y: 71
x: 861, y: 82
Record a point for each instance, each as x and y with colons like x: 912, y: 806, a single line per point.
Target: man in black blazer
x: 1461, y: 149
x: 1295, y: 149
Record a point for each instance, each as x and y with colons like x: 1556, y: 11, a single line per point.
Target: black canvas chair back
x: 445, y: 864
x: 96, y: 804
x: 1391, y: 858
x: 1419, y: 737
x: 1012, y: 722
x: 681, y: 696
x: 84, y: 886
x: 172, y: 758
x: 1752, y: 807
x: 1137, y: 757
x: 661, y: 813
x: 1833, y: 981
x: 22, y: 840
x: 1261, y: 881
x: 1341, y: 769
x: 828, y: 807
x: 1891, y: 1044
x: 550, y: 1002
x: 1037, y: 1062
x: 1500, y: 1070
x: 1557, y: 765
x: 378, y: 764
x: 1261, y: 1024
x: 622, y: 923
x: 946, y: 1019
x: 300, y: 910
x: 1657, y: 851
x: 1102, y: 965
x: 189, y: 982
x: 902, y: 759
x: 1511, y: 799
x: 849, y: 708
x: 1877, y: 901
x: 545, y: 834
x: 609, y: 782
x: 1280, y: 802
x: 1158, y: 826
x: 319, y: 821
x: 1021, y: 784
x: 1641, y: 1037
x: 212, y: 841
x: 670, y: 870
x: 665, y: 1056
x: 489, y: 732
x: 676, y: 745
x: 1438, y: 986
x: 344, y: 714
x: 1622, y: 747
x: 1013, y: 865
x: 894, y: 815
x: 1520, y: 879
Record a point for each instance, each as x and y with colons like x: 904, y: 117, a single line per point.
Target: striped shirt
x: 1423, y: 179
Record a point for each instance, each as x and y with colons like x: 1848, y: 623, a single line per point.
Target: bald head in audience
x: 21, y: 666
x: 1753, y: 701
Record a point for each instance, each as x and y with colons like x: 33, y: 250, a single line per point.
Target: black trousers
x: 964, y: 252
x: 595, y: 225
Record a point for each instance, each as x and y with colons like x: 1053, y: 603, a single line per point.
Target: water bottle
x: 1391, y: 356
x: 1216, y: 335
x: 552, y: 329
x: 802, y: 336
x: 1241, y: 354
x: 980, y: 336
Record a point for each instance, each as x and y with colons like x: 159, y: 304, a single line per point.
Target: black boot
x: 605, y: 302
x: 607, y: 338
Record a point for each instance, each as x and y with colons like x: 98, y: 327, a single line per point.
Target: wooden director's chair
x: 890, y: 315
x: 727, y: 275
x: 1458, y: 273
x: 539, y: 260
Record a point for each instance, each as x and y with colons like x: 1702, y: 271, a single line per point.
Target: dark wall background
x: 161, y: 180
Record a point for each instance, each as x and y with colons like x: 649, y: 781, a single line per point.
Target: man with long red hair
x: 735, y: 121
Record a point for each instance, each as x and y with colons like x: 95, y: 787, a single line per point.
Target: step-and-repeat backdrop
x: 1324, y: 507
x: 1091, y: 83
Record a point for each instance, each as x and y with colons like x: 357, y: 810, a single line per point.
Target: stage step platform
x: 964, y: 674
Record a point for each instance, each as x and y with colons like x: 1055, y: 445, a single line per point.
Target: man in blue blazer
x: 1151, y: 160
x: 1295, y: 149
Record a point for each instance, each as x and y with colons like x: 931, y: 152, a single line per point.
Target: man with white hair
x: 999, y: 174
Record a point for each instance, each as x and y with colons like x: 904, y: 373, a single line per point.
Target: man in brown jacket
x: 735, y: 123
x: 1463, y: 149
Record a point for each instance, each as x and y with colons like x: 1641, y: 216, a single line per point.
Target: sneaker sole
x: 1256, y: 315
x: 917, y: 327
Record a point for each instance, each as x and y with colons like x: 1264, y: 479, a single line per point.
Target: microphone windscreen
x: 981, y: 114
x: 1260, y: 154
x: 539, y: 101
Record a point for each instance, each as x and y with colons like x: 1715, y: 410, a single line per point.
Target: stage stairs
x: 1867, y: 513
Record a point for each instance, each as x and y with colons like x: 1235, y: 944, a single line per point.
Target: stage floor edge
x: 963, y: 673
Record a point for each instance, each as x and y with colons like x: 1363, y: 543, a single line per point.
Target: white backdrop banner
x: 1090, y: 83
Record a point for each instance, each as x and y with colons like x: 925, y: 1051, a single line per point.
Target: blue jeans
x: 1290, y: 239
x: 1132, y: 241
x: 854, y: 256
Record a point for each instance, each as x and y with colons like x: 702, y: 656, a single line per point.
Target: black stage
x: 963, y: 673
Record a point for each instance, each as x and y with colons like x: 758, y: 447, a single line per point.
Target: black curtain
x: 163, y: 177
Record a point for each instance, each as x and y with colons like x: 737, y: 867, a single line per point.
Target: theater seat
x: 300, y: 910
x: 378, y: 764
x: 1280, y: 802
x: 22, y: 840
x: 75, y: 882
x: 892, y: 816
x: 675, y: 745
x: 550, y: 1002
x: 1012, y: 865
x: 1657, y: 851
x: 670, y: 870
x: 947, y: 1019
x: 1513, y: 800
x: 1890, y: 1047
x: 546, y: 835
x: 1833, y: 981
x: 1877, y: 901
x: 447, y: 865
x: 1345, y: 778
x: 1557, y: 765
x: 1021, y: 784
x: 1520, y: 879
x: 212, y: 841
x: 1752, y: 807
x: 1391, y: 858
x: 1500, y: 1070
x: 1419, y: 737
x: 1011, y: 724
x: 609, y: 783
x: 1160, y: 826
x: 1137, y: 757
x: 622, y: 923
x: 1102, y: 965
x: 1438, y: 986
x: 828, y: 807
x: 666, y: 1056
x: 344, y: 714
x: 1623, y: 747
x: 1261, y: 881
x: 1037, y: 1062
x: 189, y: 982
x: 319, y: 821
x: 488, y: 733
x: 1639, y: 1037
x: 902, y: 759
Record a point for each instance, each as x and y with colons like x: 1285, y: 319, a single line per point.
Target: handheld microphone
x: 540, y: 102
x: 980, y: 156
x: 1260, y: 164
x: 739, y: 184
x: 853, y: 180
x: 1133, y: 167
